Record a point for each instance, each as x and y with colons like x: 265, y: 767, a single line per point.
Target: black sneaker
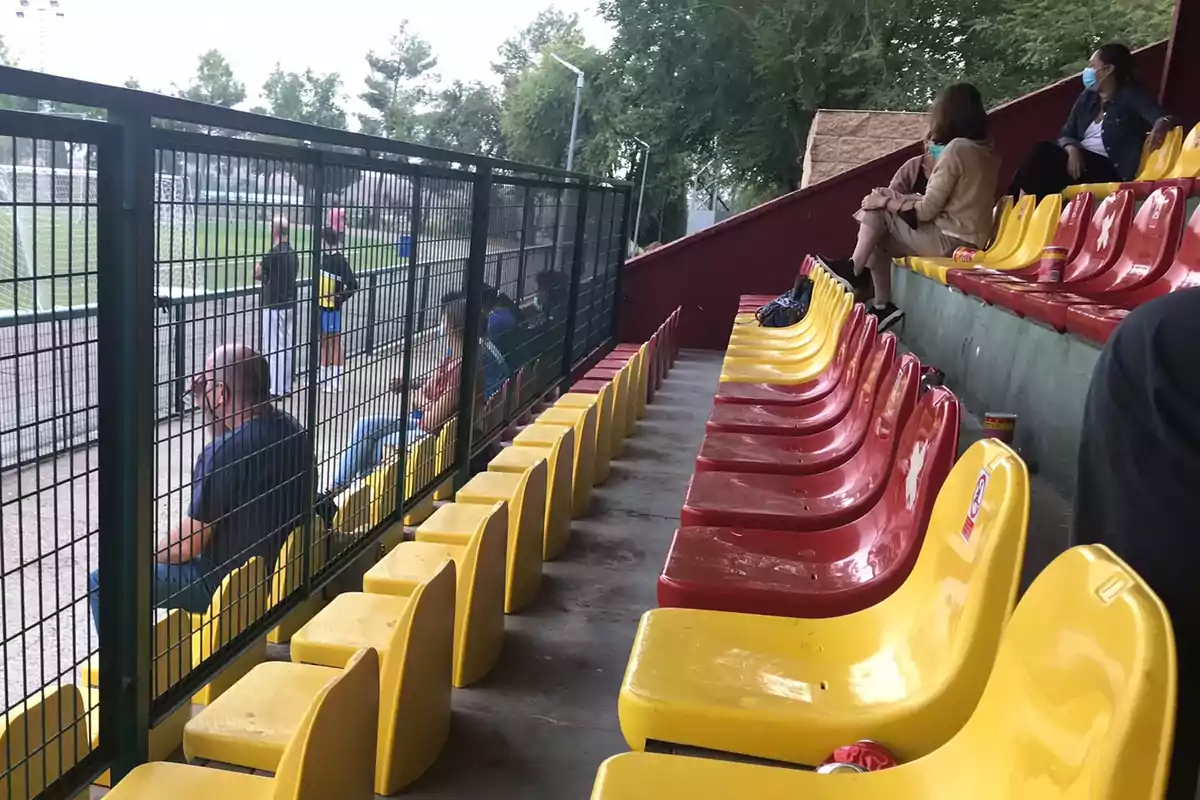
x: 887, y: 315
x: 842, y: 271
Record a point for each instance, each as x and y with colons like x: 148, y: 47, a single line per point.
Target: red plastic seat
x: 1149, y: 248
x: 588, y: 386
x: 854, y: 346
x: 1070, y: 233
x: 792, y: 420
x: 804, y: 502
x: 1101, y: 248
x: 1095, y: 323
x: 824, y: 450
x: 826, y: 573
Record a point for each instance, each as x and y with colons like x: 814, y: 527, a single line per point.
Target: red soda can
x: 1051, y: 263
x: 865, y: 753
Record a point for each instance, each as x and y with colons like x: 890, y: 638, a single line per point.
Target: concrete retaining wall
x: 997, y: 361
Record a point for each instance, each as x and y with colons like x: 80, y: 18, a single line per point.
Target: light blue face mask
x: 935, y: 151
x: 1089, y: 78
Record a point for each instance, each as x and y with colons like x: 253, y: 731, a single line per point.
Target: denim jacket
x: 1128, y: 117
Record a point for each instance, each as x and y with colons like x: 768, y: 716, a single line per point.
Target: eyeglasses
x: 195, y: 391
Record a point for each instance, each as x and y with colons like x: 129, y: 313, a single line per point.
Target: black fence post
x: 617, y: 299
x: 522, y: 265
x: 410, y: 324
x: 372, y: 312
x: 125, y: 391
x: 576, y: 269
x: 481, y: 200
x: 316, y: 223
x: 179, y: 313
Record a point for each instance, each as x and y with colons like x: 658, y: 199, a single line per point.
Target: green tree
x: 523, y: 52
x: 214, y: 82
x: 397, y: 85
x: 465, y: 117
x: 307, y: 97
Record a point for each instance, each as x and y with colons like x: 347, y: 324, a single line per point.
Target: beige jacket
x: 961, y: 194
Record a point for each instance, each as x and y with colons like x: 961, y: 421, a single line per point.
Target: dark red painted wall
x: 759, y: 251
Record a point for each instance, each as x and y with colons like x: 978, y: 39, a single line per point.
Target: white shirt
x: 1093, y: 139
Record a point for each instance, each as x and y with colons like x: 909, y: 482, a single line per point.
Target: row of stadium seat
x: 364, y: 706
x: 836, y: 580
x: 1113, y: 257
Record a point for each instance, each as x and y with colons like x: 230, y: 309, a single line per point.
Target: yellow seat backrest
x: 354, y: 507
x: 1081, y: 700
x: 1039, y: 232
x: 236, y: 604
x: 383, y: 481
x: 1187, y: 165
x: 445, y: 445
x: 332, y: 753
x: 1013, y: 231
x: 172, y: 650
x: 961, y: 591
x: 1001, y: 217
x: 1158, y: 164
x: 41, y: 738
x: 419, y: 656
x: 421, y: 465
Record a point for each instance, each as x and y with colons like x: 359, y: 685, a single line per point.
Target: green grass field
x: 213, y: 256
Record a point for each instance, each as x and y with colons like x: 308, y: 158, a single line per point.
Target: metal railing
x: 178, y: 521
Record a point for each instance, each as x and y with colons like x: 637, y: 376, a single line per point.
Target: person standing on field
x: 277, y: 272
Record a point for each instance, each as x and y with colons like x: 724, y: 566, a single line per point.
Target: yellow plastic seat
x: 525, y: 494
x: 746, y: 329
x: 559, y: 459
x: 172, y: 658
x: 383, y: 481
x: 420, y: 469
x: 475, y: 538
x: 252, y: 723
x: 331, y: 755
x: 1009, y: 236
x: 543, y: 434
x: 355, y: 507
x: 1155, y: 165
x: 1187, y: 165
x: 603, y: 401
x: 41, y: 738
x: 1079, y: 704
x: 752, y: 336
x: 632, y: 382
x: 825, y: 318
x: 445, y: 457
x: 643, y: 376
x: 619, y: 386
x: 905, y: 672
x: 237, y: 603
x: 747, y: 371
x: 287, y: 576
x: 1038, y: 234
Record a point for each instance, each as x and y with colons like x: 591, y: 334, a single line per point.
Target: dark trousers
x: 189, y: 586
x: 1044, y: 171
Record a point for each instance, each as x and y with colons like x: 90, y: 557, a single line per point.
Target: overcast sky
x: 158, y: 41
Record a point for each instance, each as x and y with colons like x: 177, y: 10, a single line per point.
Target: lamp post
x: 637, y: 222
x: 575, y: 116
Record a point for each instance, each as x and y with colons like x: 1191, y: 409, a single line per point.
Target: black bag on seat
x: 789, y: 308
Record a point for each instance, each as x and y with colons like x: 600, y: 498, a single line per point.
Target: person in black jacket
x: 1139, y: 466
x: 335, y: 285
x: 1103, y: 137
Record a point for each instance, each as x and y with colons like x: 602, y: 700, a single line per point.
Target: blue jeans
x: 366, y: 445
x: 189, y: 586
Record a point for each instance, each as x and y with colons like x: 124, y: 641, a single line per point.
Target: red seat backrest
x: 1073, y: 223
x: 875, y: 379
x: 898, y: 399
x: 806, y: 265
x: 924, y: 458
x: 1105, y: 238
x: 1185, y: 271
x: 1149, y: 247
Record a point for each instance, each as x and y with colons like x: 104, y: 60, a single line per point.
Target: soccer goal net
x: 48, y: 235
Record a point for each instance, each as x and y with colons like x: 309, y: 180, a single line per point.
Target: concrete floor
x: 540, y: 724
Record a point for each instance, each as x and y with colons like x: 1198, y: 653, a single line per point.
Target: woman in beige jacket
x: 954, y: 211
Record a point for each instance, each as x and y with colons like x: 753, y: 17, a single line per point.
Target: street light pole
x: 575, y: 116
x: 637, y: 222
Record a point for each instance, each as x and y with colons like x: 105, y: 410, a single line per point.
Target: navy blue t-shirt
x: 249, y: 485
